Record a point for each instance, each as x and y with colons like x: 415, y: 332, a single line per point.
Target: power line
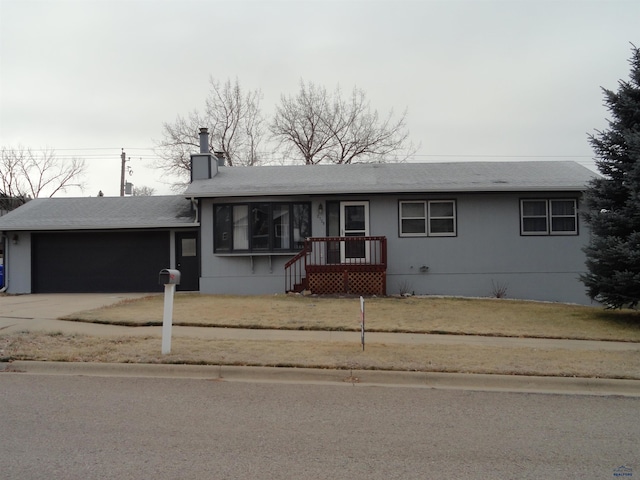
x: 148, y: 154
x: 153, y: 149
x: 497, y: 156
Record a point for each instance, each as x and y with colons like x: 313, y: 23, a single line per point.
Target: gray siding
x: 487, y: 250
x: 17, y: 264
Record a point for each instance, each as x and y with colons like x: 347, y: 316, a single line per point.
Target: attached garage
x: 82, y: 262
x: 100, y: 244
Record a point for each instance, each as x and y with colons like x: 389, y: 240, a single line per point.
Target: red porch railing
x: 339, y: 265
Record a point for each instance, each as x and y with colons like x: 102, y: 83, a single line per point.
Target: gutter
x: 83, y: 227
x: 283, y: 191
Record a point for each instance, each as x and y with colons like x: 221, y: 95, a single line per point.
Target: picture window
x: 261, y: 227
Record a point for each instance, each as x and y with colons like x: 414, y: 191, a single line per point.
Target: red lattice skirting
x: 351, y: 282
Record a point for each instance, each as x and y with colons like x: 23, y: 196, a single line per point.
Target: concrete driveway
x: 54, y: 305
x: 20, y: 311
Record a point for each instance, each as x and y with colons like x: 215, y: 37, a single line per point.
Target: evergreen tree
x: 613, y: 200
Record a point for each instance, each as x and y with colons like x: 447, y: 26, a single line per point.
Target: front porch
x: 348, y: 265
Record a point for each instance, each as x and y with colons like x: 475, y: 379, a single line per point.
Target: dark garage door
x: 69, y: 262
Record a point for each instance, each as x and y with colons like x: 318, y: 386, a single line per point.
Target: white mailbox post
x: 169, y: 278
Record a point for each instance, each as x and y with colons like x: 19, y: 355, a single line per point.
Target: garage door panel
x: 99, y: 261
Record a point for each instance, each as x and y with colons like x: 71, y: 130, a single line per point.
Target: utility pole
x: 124, y: 186
x: 123, y: 157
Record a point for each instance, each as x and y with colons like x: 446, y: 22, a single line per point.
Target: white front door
x: 354, y: 222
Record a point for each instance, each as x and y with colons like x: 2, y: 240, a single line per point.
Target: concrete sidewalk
x: 39, y: 312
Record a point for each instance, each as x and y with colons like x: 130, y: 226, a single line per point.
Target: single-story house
x: 468, y: 229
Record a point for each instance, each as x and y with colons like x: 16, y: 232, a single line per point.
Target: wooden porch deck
x: 339, y: 265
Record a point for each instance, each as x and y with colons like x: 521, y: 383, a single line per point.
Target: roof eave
x: 39, y: 228
x: 488, y: 189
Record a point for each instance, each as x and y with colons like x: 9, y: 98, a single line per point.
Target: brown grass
x: 434, y: 358
x: 496, y: 317
x: 426, y: 315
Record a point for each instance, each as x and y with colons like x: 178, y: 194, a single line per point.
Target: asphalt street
x: 94, y: 428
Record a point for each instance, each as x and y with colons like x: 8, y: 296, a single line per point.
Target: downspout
x: 194, y: 205
x: 5, y: 250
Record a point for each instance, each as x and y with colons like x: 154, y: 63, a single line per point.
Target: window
x: 188, y: 247
x: 413, y: 218
x: 442, y: 220
x: 261, y: 227
x: 240, y: 227
x: 548, y: 217
x: 563, y: 217
x: 433, y: 218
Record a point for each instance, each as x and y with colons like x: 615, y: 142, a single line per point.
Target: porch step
x: 299, y: 287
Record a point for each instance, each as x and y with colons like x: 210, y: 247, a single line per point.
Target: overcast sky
x: 482, y: 80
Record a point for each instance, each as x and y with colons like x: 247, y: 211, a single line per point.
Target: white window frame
x: 427, y: 219
x: 448, y: 217
x: 574, y: 216
x: 548, y: 216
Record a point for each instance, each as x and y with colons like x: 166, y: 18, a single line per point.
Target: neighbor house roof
x: 394, y: 178
x: 100, y: 212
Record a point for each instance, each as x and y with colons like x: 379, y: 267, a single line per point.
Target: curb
x: 435, y: 380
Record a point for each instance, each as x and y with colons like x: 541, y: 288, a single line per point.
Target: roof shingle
x: 394, y: 178
x: 100, y: 212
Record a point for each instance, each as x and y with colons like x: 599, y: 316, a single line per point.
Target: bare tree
x: 235, y: 125
x: 180, y: 140
x: 235, y: 122
x: 321, y: 127
x: 143, y: 191
x: 300, y: 124
x: 26, y: 173
x: 361, y: 135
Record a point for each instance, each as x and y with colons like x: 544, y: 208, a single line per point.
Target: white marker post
x: 167, y: 319
x: 168, y: 278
